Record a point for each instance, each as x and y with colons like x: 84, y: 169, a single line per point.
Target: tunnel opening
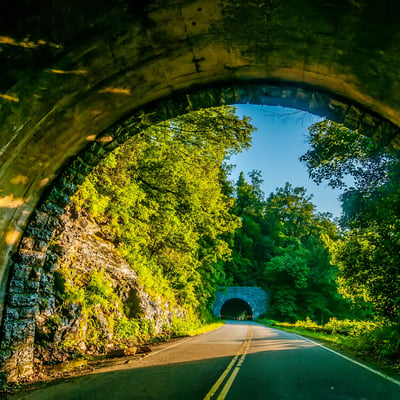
x: 237, y: 309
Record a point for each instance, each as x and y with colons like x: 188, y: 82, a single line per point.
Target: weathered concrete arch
x: 255, y: 297
x: 68, y: 73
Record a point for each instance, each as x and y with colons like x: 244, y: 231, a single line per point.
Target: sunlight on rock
x: 26, y: 43
x: 12, y: 237
x: 7, y: 40
x: 20, y: 179
x: 11, y: 41
x: 116, y: 91
x: 44, y: 182
x: 11, y: 202
x: 74, y: 72
x: 10, y: 98
x: 106, y: 139
x: 95, y: 113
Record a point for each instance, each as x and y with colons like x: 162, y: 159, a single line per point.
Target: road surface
x: 241, y: 360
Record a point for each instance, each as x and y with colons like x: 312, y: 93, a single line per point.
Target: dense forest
x: 165, y: 200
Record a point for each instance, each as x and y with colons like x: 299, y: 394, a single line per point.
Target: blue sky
x: 277, y: 145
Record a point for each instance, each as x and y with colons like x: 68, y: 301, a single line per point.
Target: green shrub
x: 127, y: 329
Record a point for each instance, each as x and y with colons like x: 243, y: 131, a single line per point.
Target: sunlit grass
x: 205, y: 328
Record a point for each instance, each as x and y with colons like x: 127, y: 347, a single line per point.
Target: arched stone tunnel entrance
x: 66, y: 81
x: 240, y: 302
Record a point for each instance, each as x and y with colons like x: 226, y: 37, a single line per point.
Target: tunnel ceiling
x: 69, y: 70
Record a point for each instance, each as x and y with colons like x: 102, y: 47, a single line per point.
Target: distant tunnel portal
x: 236, y: 309
x: 240, y: 302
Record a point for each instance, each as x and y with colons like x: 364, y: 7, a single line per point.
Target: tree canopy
x: 280, y: 247
x: 369, y: 252
x: 161, y: 199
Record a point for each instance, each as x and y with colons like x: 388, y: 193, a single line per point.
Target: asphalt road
x: 237, y: 361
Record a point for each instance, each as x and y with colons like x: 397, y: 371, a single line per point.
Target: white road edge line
x: 166, y: 348
x: 351, y: 360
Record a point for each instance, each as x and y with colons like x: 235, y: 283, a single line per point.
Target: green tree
x: 300, y: 276
x: 161, y: 199
x: 280, y: 247
x: 368, y: 254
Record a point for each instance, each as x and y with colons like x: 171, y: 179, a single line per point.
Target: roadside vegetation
x: 162, y: 199
x: 376, y: 342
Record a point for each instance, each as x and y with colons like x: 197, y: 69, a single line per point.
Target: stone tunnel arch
x: 65, y: 85
x: 256, y: 299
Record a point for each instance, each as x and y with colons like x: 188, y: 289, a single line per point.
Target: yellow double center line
x: 235, y: 364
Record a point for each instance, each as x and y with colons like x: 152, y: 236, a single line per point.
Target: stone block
x: 37, y: 233
x: 27, y: 242
x: 20, y: 271
x: 58, y: 197
x: 99, y: 149
x: 264, y: 94
x: 385, y: 132
x: 20, y: 364
x: 22, y: 299
x: 42, y: 220
x: 19, y: 332
x: 91, y: 158
x: 17, y: 285
x: 353, y: 117
x: 319, y: 104
x: 79, y: 178
x: 242, y: 94
x: 368, y: 124
x: 51, y: 208
x: 302, y: 98
x: 271, y: 90
x: 227, y: 96
x: 27, y: 313
x: 66, y: 186
x: 32, y: 286
x: 51, y: 257
x: 11, y: 314
x: 41, y: 245
x: 338, y: 110
x: 33, y: 258
x: 46, y: 284
x: 80, y: 165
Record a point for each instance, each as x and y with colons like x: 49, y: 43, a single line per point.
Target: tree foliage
x: 280, y: 247
x: 369, y: 252
x: 161, y: 199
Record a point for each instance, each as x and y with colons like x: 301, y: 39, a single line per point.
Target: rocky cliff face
x: 90, y: 299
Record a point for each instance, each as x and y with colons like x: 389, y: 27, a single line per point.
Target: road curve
x: 237, y: 361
